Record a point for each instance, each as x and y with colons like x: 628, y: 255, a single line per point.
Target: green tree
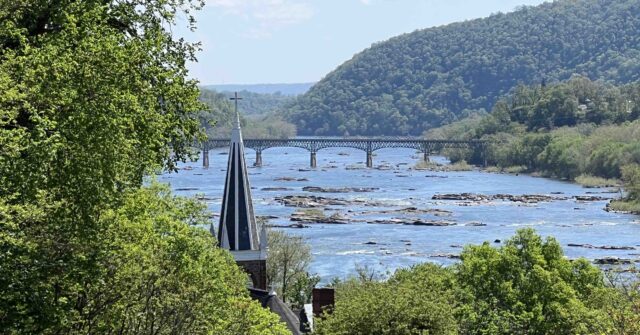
x: 525, y: 287
x: 623, y: 304
x: 419, y: 300
x: 94, y: 96
x: 288, y: 267
x: 631, y: 178
x: 528, y: 287
x: 165, y: 277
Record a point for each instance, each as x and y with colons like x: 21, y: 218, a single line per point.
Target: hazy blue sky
x: 287, y: 41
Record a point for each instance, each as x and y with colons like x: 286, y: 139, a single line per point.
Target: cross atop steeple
x: 235, y: 99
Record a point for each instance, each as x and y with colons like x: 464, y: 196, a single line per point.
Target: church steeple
x: 237, y: 230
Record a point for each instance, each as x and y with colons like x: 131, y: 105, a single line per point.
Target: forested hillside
x: 431, y: 77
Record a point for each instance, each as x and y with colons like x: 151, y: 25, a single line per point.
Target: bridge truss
x: 368, y: 145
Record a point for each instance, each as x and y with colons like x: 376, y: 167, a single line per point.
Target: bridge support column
x: 425, y: 156
x: 258, y: 162
x: 484, y: 155
x: 369, y: 159
x: 313, y: 162
x: 205, y: 158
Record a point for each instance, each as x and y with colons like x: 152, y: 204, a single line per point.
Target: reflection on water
x: 338, y: 249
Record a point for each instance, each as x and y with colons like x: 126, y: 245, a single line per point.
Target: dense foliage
x: 525, y: 287
x: 93, y: 97
x: 261, y: 120
x: 435, y: 76
x: 420, y: 300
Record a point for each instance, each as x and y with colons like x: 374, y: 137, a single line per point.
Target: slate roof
x: 277, y: 306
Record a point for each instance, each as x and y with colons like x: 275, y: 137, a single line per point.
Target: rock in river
x: 414, y: 222
x: 604, y: 247
x: 293, y: 225
x: 461, y: 196
x: 612, y: 261
x: 525, y: 198
x: 589, y: 198
x: 290, y: 179
x: 450, y: 256
x: 317, y: 189
x: 317, y: 216
x: 309, y: 201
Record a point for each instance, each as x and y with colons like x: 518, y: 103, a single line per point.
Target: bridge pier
x: 426, y: 156
x: 205, y: 158
x: 258, y: 162
x: 313, y: 161
x: 369, y: 159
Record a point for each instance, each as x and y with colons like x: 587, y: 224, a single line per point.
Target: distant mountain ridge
x: 435, y: 76
x: 284, y: 89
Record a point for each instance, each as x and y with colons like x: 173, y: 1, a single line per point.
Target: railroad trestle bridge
x: 368, y: 145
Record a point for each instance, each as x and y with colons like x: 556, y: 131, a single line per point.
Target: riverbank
x: 618, y: 205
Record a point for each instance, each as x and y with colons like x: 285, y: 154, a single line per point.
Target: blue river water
x: 338, y: 249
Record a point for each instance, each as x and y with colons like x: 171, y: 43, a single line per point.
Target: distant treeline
x: 283, y: 89
x: 436, y: 76
x: 259, y: 103
x: 261, y: 121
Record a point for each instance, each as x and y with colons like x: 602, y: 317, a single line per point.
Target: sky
x: 297, y: 41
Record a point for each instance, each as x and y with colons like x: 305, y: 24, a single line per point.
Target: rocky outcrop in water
x: 449, y: 256
x: 461, y: 197
x: 275, y: 189
x: 612, y: 261
x: 317, y: 216
x: 290, y: 179
x: 310, y: 201
x: 412, y: 210
x: 293, y: 225
x: 603, y: 247
x: 525, y: 198
x: 317, y: 189
x: 589, y: 198
x: 414, y: 222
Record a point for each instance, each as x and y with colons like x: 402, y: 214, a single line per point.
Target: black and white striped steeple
x: 238, y: 230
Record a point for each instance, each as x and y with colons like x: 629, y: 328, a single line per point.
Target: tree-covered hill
x: 431, y: 77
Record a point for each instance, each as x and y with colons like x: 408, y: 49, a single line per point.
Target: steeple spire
x: 237, y: 230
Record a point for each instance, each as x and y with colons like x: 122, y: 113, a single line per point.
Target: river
x: 338, y: 249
